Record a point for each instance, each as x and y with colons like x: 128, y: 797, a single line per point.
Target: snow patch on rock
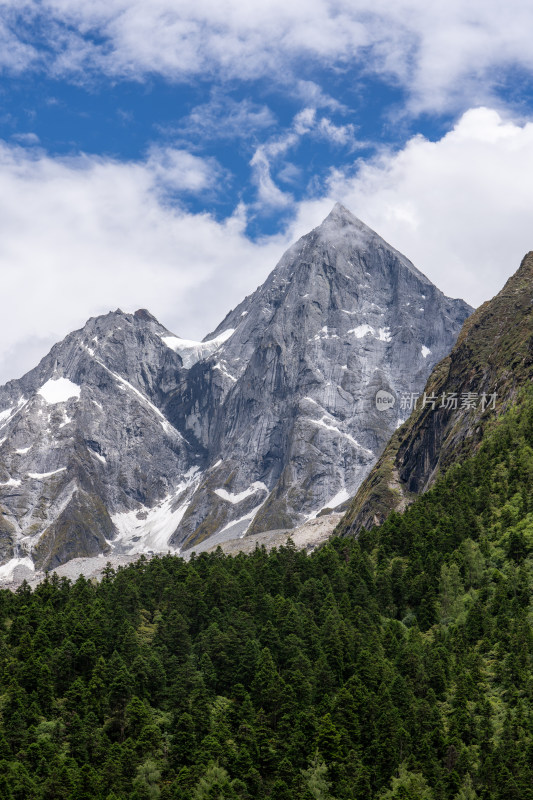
x: 324, y: 423
x: 238, y: 498
x: 148, y: 530
x: 362, y: 330
x: 191, y: 351
x: 339, y: 498
x: 224, y: 371
x: 39, y: 476
x: 238, y: 522
x: 382, y: 335
x: 59, y: 390
x: 4, y: 415
x: 11, y: 482
x: 125, y: 385
x: 333, y: 502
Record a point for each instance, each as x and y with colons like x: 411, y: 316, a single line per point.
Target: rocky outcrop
x: 492, y: 359
x: 342, y: 317
x: 127, y: 437
x: 80, y: 435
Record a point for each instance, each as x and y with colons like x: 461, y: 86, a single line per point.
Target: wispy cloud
x: 305, y: 124
x: 28, y: 139
x: 445, y: 55
x: 16, y: 55
x: 224, y: 118
x: 314, y: 96
x: 269, y: 195
x: 175, y: 170
x: 459, y: 207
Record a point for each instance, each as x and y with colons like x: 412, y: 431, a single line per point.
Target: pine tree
x: 315, y: 779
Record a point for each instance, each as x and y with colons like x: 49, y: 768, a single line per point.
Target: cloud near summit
x: 72, y: 228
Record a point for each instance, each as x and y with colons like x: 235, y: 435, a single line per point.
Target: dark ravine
x: 129, y: 439
x: 493, y: 355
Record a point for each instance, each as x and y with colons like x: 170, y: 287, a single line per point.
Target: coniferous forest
x: 397, y: 665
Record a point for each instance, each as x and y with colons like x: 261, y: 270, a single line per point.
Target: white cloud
x: 342, y: 135
x: 305, y: 123
x: 28, y: 139
x: 224, y: 118
x: 15, y: 55
x: 445, y: 54
x: 268, y: 194
x: 313, y: 95
x: 82, y: 236
x: 459, y: 208
x: 179, y: 171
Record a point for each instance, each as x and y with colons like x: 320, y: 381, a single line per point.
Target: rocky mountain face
x: 128, y: 438
x: 83, y: 436
x: 480, y: 378
x: 341, y: 317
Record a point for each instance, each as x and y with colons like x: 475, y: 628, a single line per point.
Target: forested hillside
x: 397, y: 665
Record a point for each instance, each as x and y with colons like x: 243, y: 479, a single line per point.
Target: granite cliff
x: 129, y: 438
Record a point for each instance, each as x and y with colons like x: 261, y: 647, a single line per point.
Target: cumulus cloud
x: 443, y: 54
x: 459, y: 208
x: 81, y: 236
x: 176, y: 170
x: 85, y: 235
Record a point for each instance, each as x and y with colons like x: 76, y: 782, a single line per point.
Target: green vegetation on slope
x: 493, y: 354
x: 393, y: 666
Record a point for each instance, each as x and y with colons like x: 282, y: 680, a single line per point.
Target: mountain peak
x: 343, y: 229
x: 340, y: 212
x: 270, y: 419
x: 523, y: 277
x: 143, y: 313
x: 341, y: 232
x: 340, y: 217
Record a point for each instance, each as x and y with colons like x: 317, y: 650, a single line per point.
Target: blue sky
x: 164, y: 154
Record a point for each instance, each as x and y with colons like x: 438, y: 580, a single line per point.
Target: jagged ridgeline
x: 129, y: 439
x: 397, y: 665
x: 493, y: 358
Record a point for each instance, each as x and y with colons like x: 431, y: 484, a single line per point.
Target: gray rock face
x: 79, y: 437
x: 342, y: 316
x: 141, y: 440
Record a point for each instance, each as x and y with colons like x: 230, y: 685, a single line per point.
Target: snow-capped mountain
x: 79, y: 437
x: 130, y: 438
x: 342, y: 316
